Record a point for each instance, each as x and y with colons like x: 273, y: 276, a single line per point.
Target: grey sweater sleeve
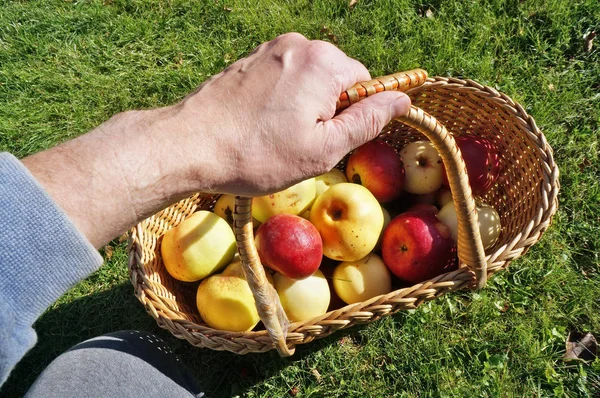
x: 42, y: 255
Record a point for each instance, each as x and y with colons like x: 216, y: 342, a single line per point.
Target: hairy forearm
x: 119, y: 173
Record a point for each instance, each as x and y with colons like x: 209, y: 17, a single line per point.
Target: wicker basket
x: 525, y: 196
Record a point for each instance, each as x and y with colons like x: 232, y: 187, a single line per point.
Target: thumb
x: 363, y: 121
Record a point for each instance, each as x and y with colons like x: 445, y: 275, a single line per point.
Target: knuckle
x: 317, y: 52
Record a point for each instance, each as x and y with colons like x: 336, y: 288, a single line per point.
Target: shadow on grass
x: 223, y: 374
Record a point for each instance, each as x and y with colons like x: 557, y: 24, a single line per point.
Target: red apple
x: 417, y: 246
x: 482, y: 160
x: 290, y: 245
x: 377, y: 167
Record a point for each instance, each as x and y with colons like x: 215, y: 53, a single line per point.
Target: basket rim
x: 383, y: 305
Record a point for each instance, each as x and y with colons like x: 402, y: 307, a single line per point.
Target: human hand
x: 269, y: 117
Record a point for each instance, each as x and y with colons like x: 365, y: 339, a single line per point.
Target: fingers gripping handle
x: 401, y: 81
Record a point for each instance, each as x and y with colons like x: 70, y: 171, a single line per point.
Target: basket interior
x: 516, y: 196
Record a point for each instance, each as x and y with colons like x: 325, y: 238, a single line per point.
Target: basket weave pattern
x: 525, y: 197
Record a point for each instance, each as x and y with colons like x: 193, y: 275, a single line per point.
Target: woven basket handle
x: 470, y: 247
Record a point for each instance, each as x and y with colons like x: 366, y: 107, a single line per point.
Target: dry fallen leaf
x: 352, y: 3
x: 294, y: 391
x: 317, y: 375
x: 108, y: 252
x: 581, y: 346
x: 589, y: 41
x: 429, y: 13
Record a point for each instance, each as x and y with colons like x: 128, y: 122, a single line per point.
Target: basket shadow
x: 222, y: 374
x: 64, y: 325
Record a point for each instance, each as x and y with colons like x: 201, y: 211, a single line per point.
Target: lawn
x: 66, y: 66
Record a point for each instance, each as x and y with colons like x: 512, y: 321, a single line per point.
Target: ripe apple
x: 289, y: 245
x: 488, y: 218
x: 423, y: 167
x: 332, y: 177
x: 327, y: 267
x: 417, y: 246
x: 356, y: 281
x: 226, y: 302
x: 377, y: 167
x: 482, y: 160
x: 349, y: 220
x: 224, y: 208
x: 303, y: 299
x: 199, y: 246
x: 293, y: 200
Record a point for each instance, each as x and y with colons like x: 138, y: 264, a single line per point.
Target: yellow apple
x: 356, y: 281
x: 349, y: 219
x: 489, y: 222
x: 225, y: 301
x: 224, y: 207
x: 303, y: 299
x: 294, y: 200
x: 198, y: 247
x: 332, y: 177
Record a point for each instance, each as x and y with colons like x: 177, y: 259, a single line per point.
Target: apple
x: 224, y: 208
x: 289, y: 245
x: 197, y: 247
x: 349, y: 219
x: 303, y: 299
x: 377, y: 167
x: 443, y: 196
x: 488, y: 218
x: 293, y: 200
x: 225, y: 301
x: 332, y: 177
x: 482, y: 160
x: 356, y: 281
x: 423, y: 167
x: 417, y: 246
x: 386, y: 220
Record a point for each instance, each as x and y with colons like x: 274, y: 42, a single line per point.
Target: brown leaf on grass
x: 581, y: 346
x: 589, y: 41
x: 325, y: 30
x: 429, y: 13
x: 352, y: 3
x: 108, y: 252
x: 294, y: 391
x: 585, y: 163
x: 317, y: 375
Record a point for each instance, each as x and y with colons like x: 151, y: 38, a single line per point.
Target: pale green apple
x: 294, y: 200
x: 225, y: 301
x: 357, y: 281
x: 303, y: 299
x: 327, y: 180
x: 199, y: 246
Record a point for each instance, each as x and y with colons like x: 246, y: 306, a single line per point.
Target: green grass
x: 66, y: 66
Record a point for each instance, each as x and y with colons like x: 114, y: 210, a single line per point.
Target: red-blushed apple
x: 376, y: 166
x: 423, y: 167
x: 290, y: 245
x: 482, y: 160
x: 417, y: 246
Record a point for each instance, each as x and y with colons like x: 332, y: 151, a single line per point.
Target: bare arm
x: 263, y: 124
